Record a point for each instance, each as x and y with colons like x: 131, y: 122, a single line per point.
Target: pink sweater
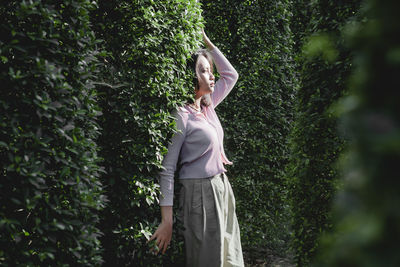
x: 198, y: 147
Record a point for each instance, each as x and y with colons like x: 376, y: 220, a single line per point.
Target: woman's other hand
x: 207, y: 41
x: 163, y: 234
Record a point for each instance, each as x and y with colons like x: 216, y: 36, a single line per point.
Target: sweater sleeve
x: 166, y: 176
x: 228, y: 77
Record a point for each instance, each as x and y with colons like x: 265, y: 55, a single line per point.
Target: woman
x: 211, y: 230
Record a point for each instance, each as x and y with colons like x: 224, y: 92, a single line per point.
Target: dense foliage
x: 50, y: 194
x: 256, y: 116
x: 88, y: 89
x: 145, y: 45
x: 367, y: 220
x: 323, y: 68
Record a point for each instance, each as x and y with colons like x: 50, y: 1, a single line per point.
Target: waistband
x: 222, y: 174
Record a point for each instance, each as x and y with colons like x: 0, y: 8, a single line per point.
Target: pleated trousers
x: 210, y: 226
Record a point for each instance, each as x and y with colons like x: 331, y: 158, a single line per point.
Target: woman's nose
x: 212, y: 76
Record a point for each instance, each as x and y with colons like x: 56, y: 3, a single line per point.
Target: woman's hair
x: 192, y: 65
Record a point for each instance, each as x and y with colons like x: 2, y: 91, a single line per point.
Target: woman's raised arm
x: 228, y: 74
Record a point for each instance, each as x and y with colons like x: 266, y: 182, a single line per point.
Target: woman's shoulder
x: 183, y: 109
x: 181, y: 112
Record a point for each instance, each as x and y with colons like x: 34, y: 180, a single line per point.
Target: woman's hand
x: 163, y: 234
x: 207, y: 41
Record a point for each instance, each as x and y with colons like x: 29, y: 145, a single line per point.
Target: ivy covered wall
x: 323, y: 67
x: 145, y: 45
x: 87, y: 93
x: 50, y: 192
x: 257, y: 114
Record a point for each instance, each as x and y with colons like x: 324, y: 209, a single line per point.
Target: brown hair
x: 192, y: 65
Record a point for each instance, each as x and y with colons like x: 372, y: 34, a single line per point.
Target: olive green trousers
x: 210, y: 227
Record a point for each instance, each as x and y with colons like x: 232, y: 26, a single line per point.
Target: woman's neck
x: 197, y: 103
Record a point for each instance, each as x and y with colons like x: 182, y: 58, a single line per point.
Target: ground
x: 267, y: 259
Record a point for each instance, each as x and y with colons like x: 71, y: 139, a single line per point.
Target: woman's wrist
x: 211, y: 48
x: 166, y: 214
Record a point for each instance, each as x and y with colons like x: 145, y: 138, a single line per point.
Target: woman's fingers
x: 165, y: 247
x: 162, y: 238
x: 161, y: 246
x: 152, y: 237
x: 161, y: 242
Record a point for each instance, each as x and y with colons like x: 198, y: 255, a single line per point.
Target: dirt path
x: 277, y: 262
x: 270, y: 261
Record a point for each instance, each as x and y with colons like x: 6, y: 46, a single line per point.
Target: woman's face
x: 204, y: 76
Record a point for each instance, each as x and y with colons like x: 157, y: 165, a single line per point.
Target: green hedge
x: 88, y: 88
x: 50, y: 194
x: 145, y: 44
x: 367, y: 220
x: 256, y: 116
x: 323, y: 66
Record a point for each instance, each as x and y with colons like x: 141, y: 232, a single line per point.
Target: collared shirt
x: 198, y: 145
